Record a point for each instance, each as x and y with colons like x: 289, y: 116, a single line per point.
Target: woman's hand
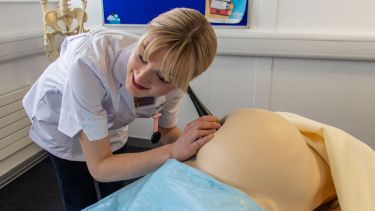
x: 194, y: 136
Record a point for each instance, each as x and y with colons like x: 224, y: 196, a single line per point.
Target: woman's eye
x: 140, y: 57
x: 162, y: 79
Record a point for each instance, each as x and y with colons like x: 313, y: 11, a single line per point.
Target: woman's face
x: 144, y: 77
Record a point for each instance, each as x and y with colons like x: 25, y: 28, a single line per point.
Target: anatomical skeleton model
x: 62, y: 21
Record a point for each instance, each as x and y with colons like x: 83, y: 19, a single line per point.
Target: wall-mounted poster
x: 225, y: 11
x: 140, y: 12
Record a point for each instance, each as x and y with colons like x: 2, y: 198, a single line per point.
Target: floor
x: 35, y: 190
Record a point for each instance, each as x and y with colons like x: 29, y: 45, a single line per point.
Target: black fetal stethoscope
x: 201, y: 109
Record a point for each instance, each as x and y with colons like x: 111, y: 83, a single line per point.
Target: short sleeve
x: 81, y: 107
x: 171, y: 109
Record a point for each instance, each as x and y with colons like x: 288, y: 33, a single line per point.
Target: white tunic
x: 84, y: 90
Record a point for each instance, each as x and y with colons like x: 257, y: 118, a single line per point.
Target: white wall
x: 329, y: 17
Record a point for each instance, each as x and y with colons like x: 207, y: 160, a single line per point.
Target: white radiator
x: 17, y: 152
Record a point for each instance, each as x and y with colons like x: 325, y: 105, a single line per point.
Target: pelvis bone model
x: 63, y: 21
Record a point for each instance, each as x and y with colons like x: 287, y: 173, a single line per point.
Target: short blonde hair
x: 190, y: 42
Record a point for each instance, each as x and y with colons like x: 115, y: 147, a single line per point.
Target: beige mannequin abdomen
x: 262, y: 154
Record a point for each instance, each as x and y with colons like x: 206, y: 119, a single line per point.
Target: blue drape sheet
x: 177, y: 186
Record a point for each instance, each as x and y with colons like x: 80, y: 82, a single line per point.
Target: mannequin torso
x: 265, y: 156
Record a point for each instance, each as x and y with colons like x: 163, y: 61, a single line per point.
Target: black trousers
x: 77, y: 186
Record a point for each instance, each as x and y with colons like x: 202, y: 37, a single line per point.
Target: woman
x: 81, y: 105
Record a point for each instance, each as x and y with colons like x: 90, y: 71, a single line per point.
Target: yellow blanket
x: 352, y: 162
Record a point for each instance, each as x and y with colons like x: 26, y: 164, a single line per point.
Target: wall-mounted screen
x: 139, y: 12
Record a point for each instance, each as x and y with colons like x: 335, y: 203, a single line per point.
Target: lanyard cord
x: 156, y: 135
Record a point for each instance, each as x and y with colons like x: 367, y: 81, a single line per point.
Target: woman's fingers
x: 195, y: 135
x: 201, y: 133
x: 201, y: 141
x: 206, y: 119
x: 205, y: 122
x: 209, y: 118
x: 208, y: 125
x: 202, y: 127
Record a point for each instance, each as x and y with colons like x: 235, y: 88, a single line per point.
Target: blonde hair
x: 190, y: 42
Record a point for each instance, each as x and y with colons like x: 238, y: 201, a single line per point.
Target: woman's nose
x: 143, y: 76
